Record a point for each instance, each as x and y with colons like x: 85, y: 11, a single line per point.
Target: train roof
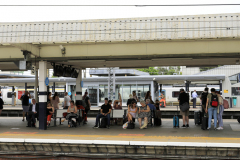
x: 162, y: 79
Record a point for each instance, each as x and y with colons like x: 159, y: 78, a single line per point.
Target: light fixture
x: 163, y: 59
x: 62, y: 49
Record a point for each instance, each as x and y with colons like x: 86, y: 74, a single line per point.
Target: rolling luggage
x: 204, y: 122
x: 176, y: 120
x: 198, y: 117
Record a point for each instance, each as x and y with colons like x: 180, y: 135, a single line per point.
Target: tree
x: 161, y: 70
x: 150, y: 70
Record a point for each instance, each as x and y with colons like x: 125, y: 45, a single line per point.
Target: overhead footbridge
x: 196, y: 40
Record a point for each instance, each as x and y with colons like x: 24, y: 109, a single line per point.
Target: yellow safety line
x: 123, y: 137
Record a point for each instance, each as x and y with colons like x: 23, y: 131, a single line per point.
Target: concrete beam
x: 29, y: 47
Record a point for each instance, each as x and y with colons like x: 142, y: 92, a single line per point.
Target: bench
x: 59, y: 114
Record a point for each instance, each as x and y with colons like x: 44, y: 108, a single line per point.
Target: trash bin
x: 234, y: 101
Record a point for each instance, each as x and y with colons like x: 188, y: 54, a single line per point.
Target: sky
x: 54, y: 13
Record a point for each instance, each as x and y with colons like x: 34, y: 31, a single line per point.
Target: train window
x: 175, y: 94
x: 60, y: 94
x: 198, y: 93
x: 9, y: 94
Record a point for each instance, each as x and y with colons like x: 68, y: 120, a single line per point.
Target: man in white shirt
x: 67, y: 100
x: 194, y: 96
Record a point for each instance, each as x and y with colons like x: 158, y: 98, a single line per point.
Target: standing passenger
x: 220, y: 111
x: 184, y: 97
x: 148, y: 96
x: 88, y: 104
x: 49, y: 97
x: 55, y: 101
x: 135, y: 96
x: 194, y: 96
x: 203, y: 98
x: 67, y: 100
x: 211, y: 110
x: 25, y: 103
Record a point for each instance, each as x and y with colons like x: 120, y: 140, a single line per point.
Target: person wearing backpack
x: 220, y: 111
x: 203, y: 98
x: 212, y: 108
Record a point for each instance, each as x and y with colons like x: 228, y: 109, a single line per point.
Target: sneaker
x: 208, y: 128
x: 96, y: 126
x: 108, y: 127
x: 187, y: 125
x: 183, y: 126
x: 219, y: 128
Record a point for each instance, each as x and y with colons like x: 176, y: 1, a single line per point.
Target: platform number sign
x: 47, y: 81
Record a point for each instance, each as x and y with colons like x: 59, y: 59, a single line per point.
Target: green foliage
x: 206, y: 68
x: 150, y: 70
x: 162, y: 70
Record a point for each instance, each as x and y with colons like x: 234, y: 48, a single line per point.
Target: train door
x: 92, y: 93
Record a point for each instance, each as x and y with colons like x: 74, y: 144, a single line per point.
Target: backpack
x: 214, y: 101
x: 131, y: 126
x: 225, y: 104
x: 103, y: 123
x: 204, y: 98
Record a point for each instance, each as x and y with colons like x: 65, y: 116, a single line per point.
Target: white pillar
x: 66, y: 86
x: 42, y: 95
x: 79, y: 87
x: 36, y: 85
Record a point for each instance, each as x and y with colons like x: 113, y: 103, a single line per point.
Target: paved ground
x: 12, y: 127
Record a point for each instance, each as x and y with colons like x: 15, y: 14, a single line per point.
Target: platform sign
x: 69, y: 93
x: 81, y: 83
x: 20, y: 93
x: 225, y: 91
x: 46, y: 81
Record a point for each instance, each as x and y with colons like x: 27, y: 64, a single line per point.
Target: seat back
x: 59, y: 112
x: 118, y: 113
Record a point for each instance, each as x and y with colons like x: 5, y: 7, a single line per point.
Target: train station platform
x: 153, y: 142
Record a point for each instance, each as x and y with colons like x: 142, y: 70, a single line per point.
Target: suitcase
x: 204, y: 122
x: 157, y: 122
x: 198, y: 117
x: 176, y: 120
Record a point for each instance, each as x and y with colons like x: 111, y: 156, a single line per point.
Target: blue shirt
x: 151, y: 106
x: 194, y: 95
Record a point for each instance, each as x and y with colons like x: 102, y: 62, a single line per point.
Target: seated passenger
x: 72, y: 112
x: 151, y: 106
x: 104, y: 112
x: 33, y: 112
x: 50, y: 111
x: 132, y: 110
x: 143, y: 113
x: 116, y: 105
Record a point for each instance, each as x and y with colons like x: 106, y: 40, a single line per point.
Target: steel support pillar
x: 79, y: 88
x: 64, y: 88
x: 53, y: 88
x: 220, y: 86
x: 111, y: 83
x: 36, y: 86
x: 42, y: 95
x: 25, y: 87
x: 13, y: 97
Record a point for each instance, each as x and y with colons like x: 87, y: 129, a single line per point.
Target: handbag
x: 184, y: 107
x: 125, y: 125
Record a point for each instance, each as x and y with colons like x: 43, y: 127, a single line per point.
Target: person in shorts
x: 184, y: 97
x: 25, y: 103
